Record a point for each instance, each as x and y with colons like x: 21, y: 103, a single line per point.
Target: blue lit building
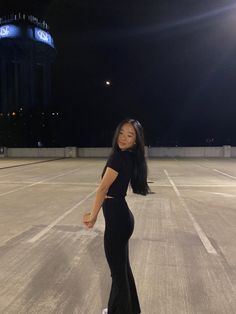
x: 27, y: 52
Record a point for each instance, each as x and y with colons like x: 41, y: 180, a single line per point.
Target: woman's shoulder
x: 118, y: 158
x: 114, y: 160
x: 115, y: 154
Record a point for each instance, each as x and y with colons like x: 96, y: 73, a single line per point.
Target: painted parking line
x: 17, y: 171
x: 69, y: 211
x: 203, y: 237
x: 225, y: 174
x: 220, y: 194
x: 53, y: 183
x: 39, y: 182
x: 95, y: 183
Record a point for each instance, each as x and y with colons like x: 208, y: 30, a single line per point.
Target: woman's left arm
x: 109, y: 177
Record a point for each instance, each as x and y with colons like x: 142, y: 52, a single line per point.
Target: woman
x: 126, y: 164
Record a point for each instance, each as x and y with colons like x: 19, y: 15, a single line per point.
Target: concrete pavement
x: 182, y: 252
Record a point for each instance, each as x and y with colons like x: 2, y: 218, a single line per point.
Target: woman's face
x: 127, y: 137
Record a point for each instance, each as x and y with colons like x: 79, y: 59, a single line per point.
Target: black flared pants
x: 119, y: 228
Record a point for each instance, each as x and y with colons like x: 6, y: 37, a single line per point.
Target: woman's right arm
x: 109, y: 177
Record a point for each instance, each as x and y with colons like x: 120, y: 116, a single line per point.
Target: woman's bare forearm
x: 99, y: 199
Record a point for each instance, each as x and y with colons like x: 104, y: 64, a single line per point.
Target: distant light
x: 13, y: 113
x: 53, y: 113
x: 108, y: 83
x: 43, y: 36
x: 4, y: 31
x: 9, y: 31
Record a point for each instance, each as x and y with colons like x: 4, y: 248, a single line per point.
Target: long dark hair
x: 138, y: 180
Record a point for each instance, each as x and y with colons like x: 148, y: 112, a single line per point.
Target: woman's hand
x: 89, y: 221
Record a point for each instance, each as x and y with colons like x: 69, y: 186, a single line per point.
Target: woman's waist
x: 114, y: 198
x: 115, y: 206
x: 117, y: 191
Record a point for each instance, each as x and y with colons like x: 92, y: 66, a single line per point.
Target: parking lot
x: 182, y: 252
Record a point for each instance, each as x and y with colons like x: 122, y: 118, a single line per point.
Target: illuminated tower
x: 26, y: 54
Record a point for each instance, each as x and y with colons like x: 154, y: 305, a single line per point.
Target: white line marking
x: 207, y: 185
x: 6, y: 175
x: 53, y: 183
x: 49, y: 227
x: 197, y: 185
x: 225, y: 174
x: 94, y: 183
x: 38, y: 182
x: 17, y: 171
x: 216, y: 193
x: 223, y: 194
x: 205, y: 241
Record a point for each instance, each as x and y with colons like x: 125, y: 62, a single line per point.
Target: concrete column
x: 71, y: 152
x: 3, y: 152
x: 227, y: 151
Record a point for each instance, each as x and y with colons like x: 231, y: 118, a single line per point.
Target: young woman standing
x: 125, y: 165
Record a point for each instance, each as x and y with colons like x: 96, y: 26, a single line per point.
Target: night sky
x: 171, y: 64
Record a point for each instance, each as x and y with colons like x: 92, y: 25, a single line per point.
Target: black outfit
x: 119, y: 228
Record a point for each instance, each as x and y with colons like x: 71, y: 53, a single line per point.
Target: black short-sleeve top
x: 122, y: 162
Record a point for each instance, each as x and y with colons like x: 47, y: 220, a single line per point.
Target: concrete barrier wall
x: 103, y: 152
x: 185, y: 151
x: 93, y: 152
x: 233, y: 151
x: 36, y: 152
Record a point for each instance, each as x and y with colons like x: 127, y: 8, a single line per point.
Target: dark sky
x: 172, y: 65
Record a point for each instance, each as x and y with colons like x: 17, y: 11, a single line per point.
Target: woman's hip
x: 119, y: 220
x: 117, y: 209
